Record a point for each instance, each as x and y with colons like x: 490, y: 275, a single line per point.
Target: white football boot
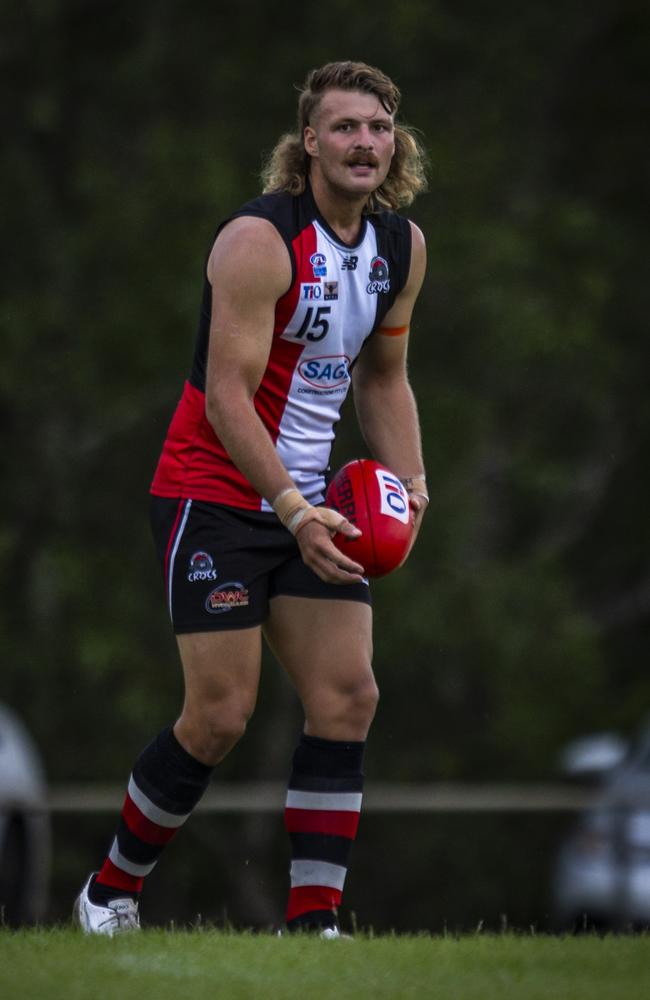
x: 117, y: 917
x: 325, y: 934
x: 333, y: 934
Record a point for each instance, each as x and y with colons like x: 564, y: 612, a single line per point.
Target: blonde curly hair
x: 287, y: 167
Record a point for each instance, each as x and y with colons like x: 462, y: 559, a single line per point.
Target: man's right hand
x: 314, y: 528
x: 314, y: 537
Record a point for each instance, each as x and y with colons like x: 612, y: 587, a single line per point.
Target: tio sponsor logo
x: 201, y: 568
x: 394, y: 498
x: 326, y: 372
x: 227, y: 597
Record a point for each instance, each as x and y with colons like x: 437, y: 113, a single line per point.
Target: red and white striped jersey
x: 338, y: 296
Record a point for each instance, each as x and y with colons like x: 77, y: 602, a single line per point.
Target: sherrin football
x: 372, y: 498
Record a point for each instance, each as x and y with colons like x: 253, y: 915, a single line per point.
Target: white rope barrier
x: 389, y: 797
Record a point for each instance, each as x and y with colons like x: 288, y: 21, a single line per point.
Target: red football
x: 374, y: 500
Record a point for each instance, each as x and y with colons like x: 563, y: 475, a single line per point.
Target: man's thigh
x: 321, y: 643
x: 221, y: 671
x: 219, y: 666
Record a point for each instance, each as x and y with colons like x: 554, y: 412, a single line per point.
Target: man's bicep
x: 249, y: 269
x: 381, y: 357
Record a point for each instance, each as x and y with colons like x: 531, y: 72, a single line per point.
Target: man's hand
x: 416, y: 487
x: 314, y: 528
x: 320, y: 554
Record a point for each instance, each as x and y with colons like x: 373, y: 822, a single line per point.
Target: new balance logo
x: 350, y: 263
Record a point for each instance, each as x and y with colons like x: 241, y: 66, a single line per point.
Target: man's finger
x: 330, y: 519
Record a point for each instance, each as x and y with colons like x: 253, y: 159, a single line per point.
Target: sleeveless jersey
x: 338, y: 297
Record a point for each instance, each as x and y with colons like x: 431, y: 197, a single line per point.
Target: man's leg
x: 326, y: 648
x: 221, y: 671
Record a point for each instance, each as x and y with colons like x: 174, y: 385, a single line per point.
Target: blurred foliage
x: 130, y: 130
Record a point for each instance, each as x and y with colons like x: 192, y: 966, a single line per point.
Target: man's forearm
x: 249, y: 445
x: 388, y: 419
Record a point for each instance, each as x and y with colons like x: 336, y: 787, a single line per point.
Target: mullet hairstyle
x: 287, y: 167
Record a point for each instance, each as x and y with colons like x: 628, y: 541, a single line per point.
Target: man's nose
x: 365, y: 138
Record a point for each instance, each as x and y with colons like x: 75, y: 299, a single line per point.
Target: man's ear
x: 310, y: 140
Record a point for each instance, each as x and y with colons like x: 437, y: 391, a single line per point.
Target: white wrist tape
x: 290, y: 506
x: 295, y: 512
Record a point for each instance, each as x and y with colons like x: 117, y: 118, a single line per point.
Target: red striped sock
x: 164, y: 787
x: 321, y: 817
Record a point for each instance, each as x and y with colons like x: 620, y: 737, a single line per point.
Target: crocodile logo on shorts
x: 201, y: 568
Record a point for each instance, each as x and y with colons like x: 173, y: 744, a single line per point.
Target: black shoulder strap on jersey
x: 394, y: 250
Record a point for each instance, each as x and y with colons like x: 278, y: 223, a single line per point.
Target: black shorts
x: 222, y: 565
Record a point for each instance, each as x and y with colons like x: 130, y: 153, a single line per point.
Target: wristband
x: 416, y: 486
x: 393, y: 331
x: 413, y: 483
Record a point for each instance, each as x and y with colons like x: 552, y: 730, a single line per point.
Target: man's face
x: 351, y: 142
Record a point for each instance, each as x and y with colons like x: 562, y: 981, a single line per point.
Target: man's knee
x: 212, y: 729
x: 343, y: 711
x: 225, y: 723
x: 364, y: 699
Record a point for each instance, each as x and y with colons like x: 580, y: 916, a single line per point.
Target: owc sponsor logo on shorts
x: 201, y: 568
x: 227, y: 597
x: 394, y: 498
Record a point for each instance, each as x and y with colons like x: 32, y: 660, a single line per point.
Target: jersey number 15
x: 315, y: 324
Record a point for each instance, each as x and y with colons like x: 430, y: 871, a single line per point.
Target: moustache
x: 364, y: 159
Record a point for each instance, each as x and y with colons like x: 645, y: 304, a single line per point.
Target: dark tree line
x: 130, y: 131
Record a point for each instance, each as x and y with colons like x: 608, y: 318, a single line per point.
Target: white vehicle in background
x: 602, y: 874
x: 24, y: 825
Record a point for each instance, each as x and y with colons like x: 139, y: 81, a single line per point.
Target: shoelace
x: 124, y: 916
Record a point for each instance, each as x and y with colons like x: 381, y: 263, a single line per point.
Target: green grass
x: 161, y: 965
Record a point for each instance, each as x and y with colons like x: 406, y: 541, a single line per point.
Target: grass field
x: 161, y: 965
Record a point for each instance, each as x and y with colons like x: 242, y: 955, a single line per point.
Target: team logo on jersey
x: 379, y: 279
x: 326, y: 372
x: 394, y: 498
x: 318, y: 262
x: 331, y: 289
x: 201, y: 568
x: 227, y: 597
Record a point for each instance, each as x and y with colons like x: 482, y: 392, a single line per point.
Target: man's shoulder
x: 286, y: 211
x: 393, y: 233
x: 392, y: 222
x: 269, y: 202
